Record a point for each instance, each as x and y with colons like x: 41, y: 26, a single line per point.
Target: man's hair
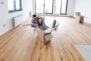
x: 34, y: 15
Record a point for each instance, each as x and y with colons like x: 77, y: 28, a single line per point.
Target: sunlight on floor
x: 85, y: 51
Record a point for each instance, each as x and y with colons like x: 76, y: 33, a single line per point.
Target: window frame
x: 16, y: 10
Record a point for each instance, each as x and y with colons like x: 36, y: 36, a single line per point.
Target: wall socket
x: 4, y: 25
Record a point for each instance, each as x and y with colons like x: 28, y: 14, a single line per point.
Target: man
x: 34, y: 21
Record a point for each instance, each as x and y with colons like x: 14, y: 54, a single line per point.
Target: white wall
x: 83, y: 6
x: 6, y: 18
x: 4, y: 25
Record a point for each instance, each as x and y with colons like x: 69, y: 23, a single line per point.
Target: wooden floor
x: 21, y: 44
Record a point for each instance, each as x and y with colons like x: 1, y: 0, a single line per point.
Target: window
x: 61, y: 7
x: 39, y: 6
x: 64, y: 7
x: 48, y: 6
x: 58, y: 6
x: 43, y: 6
x: 14, y: 5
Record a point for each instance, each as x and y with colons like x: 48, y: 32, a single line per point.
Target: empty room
x: 45, y: 30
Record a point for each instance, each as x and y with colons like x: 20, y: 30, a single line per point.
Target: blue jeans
x: 44, y: 27
x: 34, y: 24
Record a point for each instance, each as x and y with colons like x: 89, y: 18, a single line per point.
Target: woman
x: 41, y: 23
x: 46, y: 29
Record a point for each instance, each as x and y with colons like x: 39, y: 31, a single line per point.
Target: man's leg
x: 34, y: 25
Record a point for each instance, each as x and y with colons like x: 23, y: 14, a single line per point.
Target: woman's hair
x: 38, y: 21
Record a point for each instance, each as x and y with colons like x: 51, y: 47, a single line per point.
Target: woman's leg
x: 54, y: 24
x: 44, y: 26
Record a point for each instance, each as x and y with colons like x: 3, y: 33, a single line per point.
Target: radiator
x: 17, y: 20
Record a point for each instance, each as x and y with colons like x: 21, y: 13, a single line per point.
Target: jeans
x: 34, y: 24
x: 43, y: 27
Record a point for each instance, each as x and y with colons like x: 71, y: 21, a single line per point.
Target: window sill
x: 13, y: 11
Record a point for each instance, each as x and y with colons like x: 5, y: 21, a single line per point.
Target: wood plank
x: 24, y: 44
